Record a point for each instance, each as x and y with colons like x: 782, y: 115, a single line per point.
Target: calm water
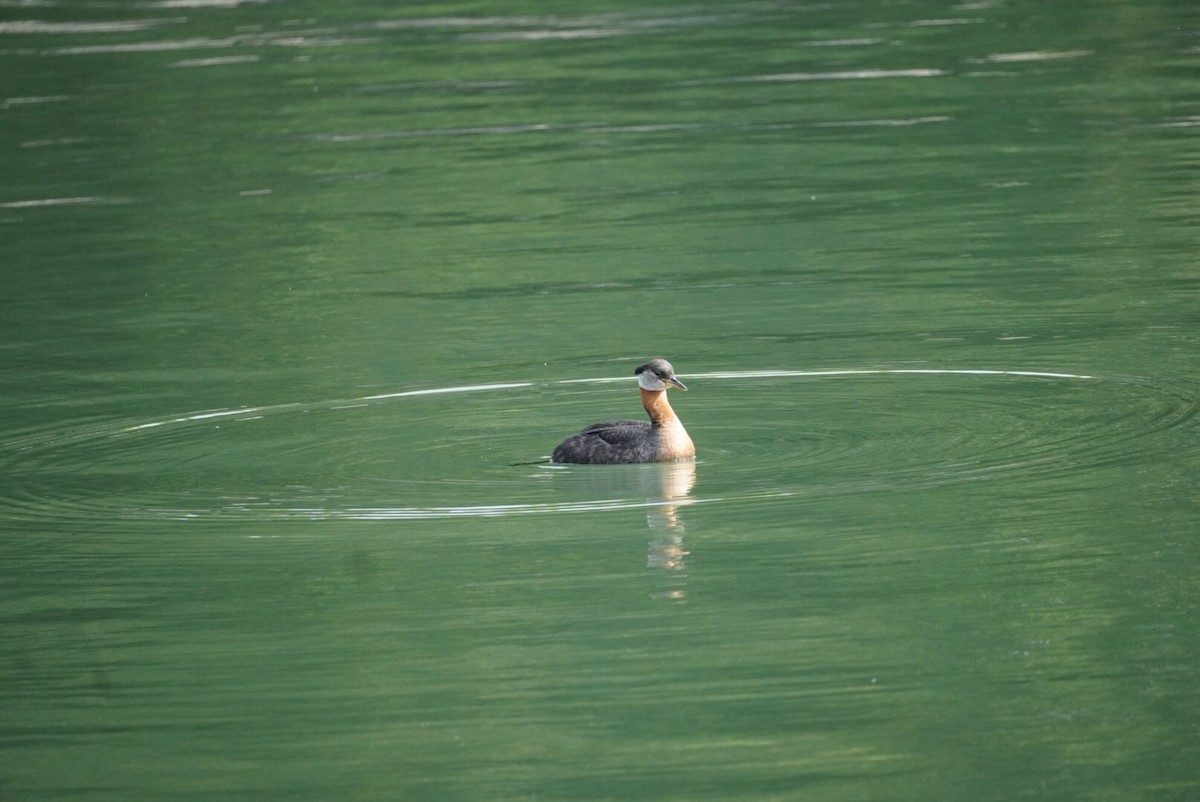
x: 298, y: 296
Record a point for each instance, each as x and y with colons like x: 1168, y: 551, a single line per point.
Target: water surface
x: 298, y: 299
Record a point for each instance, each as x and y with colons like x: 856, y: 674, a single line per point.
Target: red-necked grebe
x: 620, y: 441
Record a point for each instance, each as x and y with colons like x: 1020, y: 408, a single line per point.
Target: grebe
x: 620, y: 441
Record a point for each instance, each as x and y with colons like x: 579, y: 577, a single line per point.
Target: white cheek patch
x: 648, y: 381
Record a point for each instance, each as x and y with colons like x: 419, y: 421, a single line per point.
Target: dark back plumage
x: 610, y: 443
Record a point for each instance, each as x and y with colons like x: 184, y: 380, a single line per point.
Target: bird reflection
x: 666, y: 488
x: 675, y: 481
x: 670, y: 484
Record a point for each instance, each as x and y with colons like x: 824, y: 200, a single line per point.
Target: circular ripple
x: 900, y: 429
x: 766, y: 434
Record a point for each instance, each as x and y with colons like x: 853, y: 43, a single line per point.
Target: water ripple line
x: 783, y: 374
x: 108, y: 470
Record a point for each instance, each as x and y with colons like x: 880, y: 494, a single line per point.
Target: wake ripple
x: 362, y: 459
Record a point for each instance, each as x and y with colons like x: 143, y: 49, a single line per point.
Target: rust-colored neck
x: 656, y: 403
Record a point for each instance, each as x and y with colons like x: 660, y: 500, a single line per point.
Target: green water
x: 298, y: 297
